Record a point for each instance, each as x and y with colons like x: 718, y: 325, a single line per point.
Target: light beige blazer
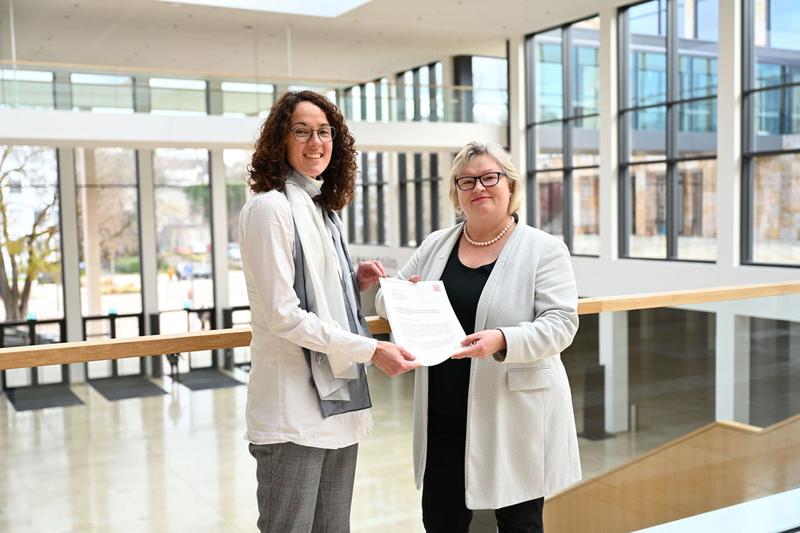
x: 521, y: 440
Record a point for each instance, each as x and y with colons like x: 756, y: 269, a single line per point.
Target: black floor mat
x: 207, y: 378
x: 125, y: 387
x: 42, y: 397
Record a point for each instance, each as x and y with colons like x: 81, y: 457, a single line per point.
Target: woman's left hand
x: 482, y: 344
x: 368, y: 274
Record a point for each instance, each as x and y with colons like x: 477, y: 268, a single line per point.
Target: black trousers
x: 444, y: 509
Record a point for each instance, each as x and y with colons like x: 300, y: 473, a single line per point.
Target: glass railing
x: 22, y: 89
x: 685, y: 402
x: 681, y: 410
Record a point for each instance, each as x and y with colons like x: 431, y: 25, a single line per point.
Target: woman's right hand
x: 392, y: 359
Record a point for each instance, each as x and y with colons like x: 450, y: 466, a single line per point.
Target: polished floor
x: 177, y: 462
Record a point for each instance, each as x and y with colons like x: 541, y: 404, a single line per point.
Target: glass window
x: 563, y: 133
x: 697, y: 210
x: 241, y: 99
x: 424, y: 94
x: 586, y: 86
x: 776, y: 209
x: 108, y: 222
x: 549, y: 146
x: 102, y: 93
x: 108, y: 229
x: 548, y: 67
x: 26, y: 89
x: 585, y: 142
x: 777, y: 119
x: 489, y: 90
x: 419, y: 185
x: 668, y: 132
x: 550, y: 202
x: 784, y: 17
x: 30, y: 240
x: 169, y: 96
x: 236, y: 194
x: 649, y: 18
x: 648, y: 198
x: 772, y: 143
x: 706, y: 20
x: 366, y: 214
x: 586, y: 211
x: 183, y: 230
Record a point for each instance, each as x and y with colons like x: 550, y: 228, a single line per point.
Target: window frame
x: 567, y: 122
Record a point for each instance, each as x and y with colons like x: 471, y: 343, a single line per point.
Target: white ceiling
x: 376, y: 39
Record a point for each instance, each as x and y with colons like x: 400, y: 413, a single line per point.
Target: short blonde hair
x: 503, y: 158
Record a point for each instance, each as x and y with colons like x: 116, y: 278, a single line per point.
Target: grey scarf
x: 352, y: 394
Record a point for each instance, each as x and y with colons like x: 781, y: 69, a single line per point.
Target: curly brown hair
x: 269, y: 166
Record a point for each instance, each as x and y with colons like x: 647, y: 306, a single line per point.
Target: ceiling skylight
x: 311, y: 8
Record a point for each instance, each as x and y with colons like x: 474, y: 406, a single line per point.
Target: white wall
x: 140, y: 130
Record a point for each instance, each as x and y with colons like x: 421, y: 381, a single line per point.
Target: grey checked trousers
x: 303, y: 489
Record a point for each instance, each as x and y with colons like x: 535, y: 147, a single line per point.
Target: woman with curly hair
x: 307, y: 399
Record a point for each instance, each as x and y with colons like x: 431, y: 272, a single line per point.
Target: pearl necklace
x: 490, y: 241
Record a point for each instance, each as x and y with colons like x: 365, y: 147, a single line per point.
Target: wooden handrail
x: 603, y: 304
x: 102, y: 350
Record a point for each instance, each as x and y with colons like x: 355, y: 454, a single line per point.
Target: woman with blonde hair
x: 493, y: 425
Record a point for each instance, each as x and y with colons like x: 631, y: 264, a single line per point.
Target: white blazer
x: 521, y: 439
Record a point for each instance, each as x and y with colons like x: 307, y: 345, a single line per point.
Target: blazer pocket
x: 528, y: 379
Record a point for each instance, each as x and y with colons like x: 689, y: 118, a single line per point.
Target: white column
x: 608, y: 107
x: 614, y: 358
x: 70, y: 259
x: 516, y: 113
x: 729, y: 134
x: 219, y: 235
x: 147, y: 240
x: 733, y: 367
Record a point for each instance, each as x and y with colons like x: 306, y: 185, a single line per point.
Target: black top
x: 448, y: 382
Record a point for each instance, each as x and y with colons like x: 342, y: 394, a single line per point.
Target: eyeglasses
x: 490, y: 179
x: 303, y: 133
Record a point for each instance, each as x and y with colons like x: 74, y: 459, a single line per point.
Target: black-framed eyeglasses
x: 303, y: 133
x: 490, y: 179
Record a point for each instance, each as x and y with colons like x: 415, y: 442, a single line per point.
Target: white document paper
x: 422, y: 319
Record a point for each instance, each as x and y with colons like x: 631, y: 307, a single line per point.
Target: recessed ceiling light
x: 311, y: 8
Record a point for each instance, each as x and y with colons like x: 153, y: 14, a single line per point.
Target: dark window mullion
x: 673, y: 189
x: 400, y: 100
x: 402, y: 178
x: 766, y: 88
x: 419, y: 233
x: 434, y: 191
x: 378, y: 101
x: 380, y: 207
x: 366, y: 233
x: 363, y: 101
x: 417, y: 95
x: 748, y: 133
x: 530, y: 193
x: 625, y: 212
x: 566, y: 136
x: 530, y: 73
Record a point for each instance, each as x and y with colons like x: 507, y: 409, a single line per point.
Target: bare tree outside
x: 29, y: 228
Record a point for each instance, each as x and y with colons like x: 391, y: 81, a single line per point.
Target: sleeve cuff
x: 511, y: 353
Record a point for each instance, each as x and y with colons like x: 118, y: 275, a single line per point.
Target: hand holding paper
x: 422, y: 319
